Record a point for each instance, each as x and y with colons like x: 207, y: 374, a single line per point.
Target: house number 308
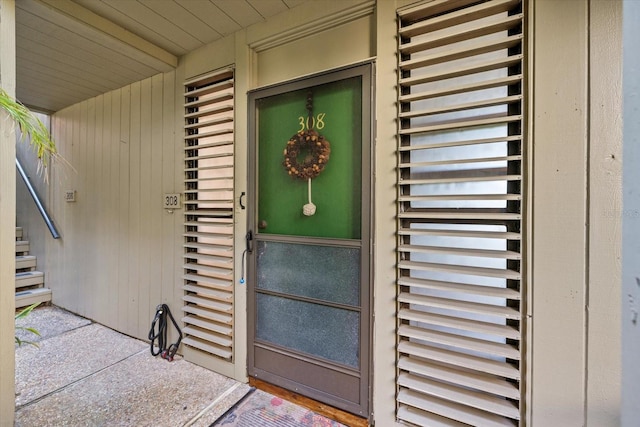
x: 317, y: 122
x: 171, y: 201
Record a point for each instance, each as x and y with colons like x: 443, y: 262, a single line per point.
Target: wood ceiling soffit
x: 87, y: 24
x: 59, y: 40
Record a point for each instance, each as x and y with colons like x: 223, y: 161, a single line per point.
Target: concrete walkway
x: 84, y: 374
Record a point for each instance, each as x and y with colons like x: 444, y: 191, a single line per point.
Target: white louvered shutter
x: 208, y: 210
x: 460, y: 242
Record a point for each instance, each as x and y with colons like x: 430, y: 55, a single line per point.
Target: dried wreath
x: 318, y: 152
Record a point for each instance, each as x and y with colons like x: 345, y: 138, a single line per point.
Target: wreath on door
x: 315, y: 150
x: 306, y: 155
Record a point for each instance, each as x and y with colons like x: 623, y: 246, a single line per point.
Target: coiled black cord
x: 160, y: 319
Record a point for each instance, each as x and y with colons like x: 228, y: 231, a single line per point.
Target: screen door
x: 309, y: 245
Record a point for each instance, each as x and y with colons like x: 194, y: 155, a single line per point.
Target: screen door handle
x: 248, y: 240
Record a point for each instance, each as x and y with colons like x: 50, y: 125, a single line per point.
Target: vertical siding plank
x: 155, y: 207
x: 69, y: 223
x: 100, y: 281
x: 146, y: 232
x: 106, y: 228
x: 134, y: 210
x: 177, y: 152
x: 7, y: 214
x: 54, y: 260
x: 558, y: 270
x: 113, y: 207
x: 605, y: 222
x: 53, y: 277
x: 123, y: 213
x: 169, y: 221
x: 384, y: 337
x: 89, y: 197
x: 73, y: 217
x: 80, y: 207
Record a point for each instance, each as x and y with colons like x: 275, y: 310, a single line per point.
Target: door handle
x: 248, y: 249
x: 248, y: 241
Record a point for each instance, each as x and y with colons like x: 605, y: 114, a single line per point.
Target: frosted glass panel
x: 327, y: 332
x: 326, y: 273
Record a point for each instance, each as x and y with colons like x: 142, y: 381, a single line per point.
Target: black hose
x: 162, y: 311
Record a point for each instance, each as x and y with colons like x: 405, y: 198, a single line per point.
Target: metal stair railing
x: 43, y: 211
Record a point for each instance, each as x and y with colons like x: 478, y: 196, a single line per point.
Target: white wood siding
x: 558, y: 270
x: 605, y: 203
x: 575, y: 293
x: 7, y: 215
x: 116, y: 260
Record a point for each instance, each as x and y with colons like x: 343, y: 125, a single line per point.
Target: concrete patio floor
x: 85, y: 374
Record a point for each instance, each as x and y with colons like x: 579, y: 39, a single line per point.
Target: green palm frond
x: 30, y: 126
x: 24, y: 313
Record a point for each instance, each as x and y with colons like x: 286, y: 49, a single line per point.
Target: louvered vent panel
x: 460, y: 181
x: 208, y: 209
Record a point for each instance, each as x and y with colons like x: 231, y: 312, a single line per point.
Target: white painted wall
x: 121, y: 254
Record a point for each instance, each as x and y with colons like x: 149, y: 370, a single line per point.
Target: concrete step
x: 25, y: 261
x: 22, y: 247
x: 29, y: 278
x: 32, y: 296
x: 29, y: 283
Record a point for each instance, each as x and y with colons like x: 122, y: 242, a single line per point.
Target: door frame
x: 366, y: 71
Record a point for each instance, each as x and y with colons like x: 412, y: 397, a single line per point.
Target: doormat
x: 259, y: 408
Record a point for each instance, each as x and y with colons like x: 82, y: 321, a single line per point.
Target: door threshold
x: 335, y: 414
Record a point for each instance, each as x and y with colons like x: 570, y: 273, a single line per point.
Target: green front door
x: 309, y: 264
